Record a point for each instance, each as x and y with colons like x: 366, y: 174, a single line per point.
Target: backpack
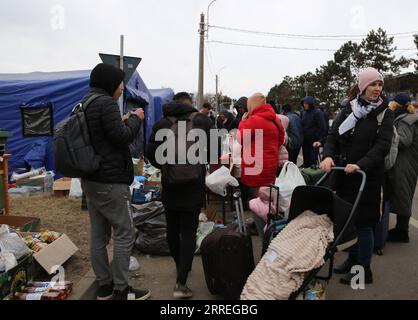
x: 184, y: 173
x: 74, y: 154
x: 390, y: 158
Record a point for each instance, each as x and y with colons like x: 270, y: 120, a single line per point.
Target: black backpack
x: 182, y: 174
x: 74, y: 154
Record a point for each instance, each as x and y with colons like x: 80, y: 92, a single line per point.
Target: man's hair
x: 287, y: 108
x: 182, y: 97
x: 207, y: 105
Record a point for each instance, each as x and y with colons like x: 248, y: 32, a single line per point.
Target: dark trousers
x: 293, y: 155
x: 310, y: 154
x: 363, y: 250
x: 181, y: 238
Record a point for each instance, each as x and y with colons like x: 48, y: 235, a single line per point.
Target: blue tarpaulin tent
x: 161, y: 97
x: 64, y: 90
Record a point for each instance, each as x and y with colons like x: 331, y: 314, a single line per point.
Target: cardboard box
x: 62, y: 187
x: 46, y: 183
x: 13, y: 279
x: 55, y: 254
x: 24, y: 224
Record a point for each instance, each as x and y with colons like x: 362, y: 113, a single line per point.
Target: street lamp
x: 207, y: 15
x: 218, y: 78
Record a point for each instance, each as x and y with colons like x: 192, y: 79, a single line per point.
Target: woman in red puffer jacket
x: 260, y: 134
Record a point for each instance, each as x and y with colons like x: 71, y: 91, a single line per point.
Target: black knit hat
x: 106, y: 77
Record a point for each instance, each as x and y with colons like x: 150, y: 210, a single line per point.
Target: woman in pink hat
x: 357, y: 142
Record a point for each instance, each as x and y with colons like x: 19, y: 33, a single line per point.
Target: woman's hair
x: 353, y: 92
x: 393, y: 105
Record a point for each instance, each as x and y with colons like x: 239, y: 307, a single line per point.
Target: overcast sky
x: 56, y: 35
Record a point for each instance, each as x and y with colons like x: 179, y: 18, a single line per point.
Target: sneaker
x: 182, y: 292
x: 395, y: 235
x: 131, y: 294
x: 368, y: 277
x: 346, y: 266
x: 105, y: 292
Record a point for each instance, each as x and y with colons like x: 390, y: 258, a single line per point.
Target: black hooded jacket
x: 190, y: 197
x: 109, y: 135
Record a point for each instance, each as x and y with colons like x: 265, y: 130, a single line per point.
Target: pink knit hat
x: 367, y: 77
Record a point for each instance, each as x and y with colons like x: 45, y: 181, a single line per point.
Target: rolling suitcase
x: 227, y: 257
x: 275, y: 222
x: 381, y: 230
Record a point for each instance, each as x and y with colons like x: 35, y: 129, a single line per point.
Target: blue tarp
x: 64, y: 90
x: 161, y: 97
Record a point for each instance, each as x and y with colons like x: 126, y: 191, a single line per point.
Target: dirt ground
x: 62, y: 215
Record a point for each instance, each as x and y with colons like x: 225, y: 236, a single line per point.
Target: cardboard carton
x: 24, y: 224
x: 62, y: 187
x: 55, y: 254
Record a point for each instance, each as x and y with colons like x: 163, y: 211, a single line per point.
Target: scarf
x: 360, y: 111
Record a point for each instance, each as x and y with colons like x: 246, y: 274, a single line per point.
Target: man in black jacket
x: 107, y: 190
x: 182, y: 201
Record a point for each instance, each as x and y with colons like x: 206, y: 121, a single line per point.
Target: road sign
x: 129, y: 64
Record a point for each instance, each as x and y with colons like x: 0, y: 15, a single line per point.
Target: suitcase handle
x: 240, y: 212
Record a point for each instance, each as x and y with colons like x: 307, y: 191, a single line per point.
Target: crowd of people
x: 355, y: 141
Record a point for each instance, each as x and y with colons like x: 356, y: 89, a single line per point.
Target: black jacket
x: 313, y: 124
x: 111, y: 139
x: 367, y: 147
x: 191, y: 197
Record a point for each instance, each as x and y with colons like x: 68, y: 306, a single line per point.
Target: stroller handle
x: 355, y: 205
x: 363, y: 175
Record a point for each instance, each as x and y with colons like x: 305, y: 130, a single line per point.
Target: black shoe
x: 131, y: 294
x: 346, y: 266
x: 396, y: 235
x: 105, y: 292
x: 182, y: 292
x: 368, y: 277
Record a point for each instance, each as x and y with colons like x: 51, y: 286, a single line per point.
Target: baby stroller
x: 323, y: 200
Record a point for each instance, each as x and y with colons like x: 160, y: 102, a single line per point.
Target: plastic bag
x: 204, y: 229
x: 289, y: 178
x: 75, y: 189
x: 150, y: 221
x: 13, y: 243
x: 133, y: 264
x: 7, y: 261
x: 219, y: 180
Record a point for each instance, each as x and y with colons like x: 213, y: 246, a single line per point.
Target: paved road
x: 395, y: 273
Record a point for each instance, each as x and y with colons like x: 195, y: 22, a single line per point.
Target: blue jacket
x: 313, y: 122
x: 294, y: 131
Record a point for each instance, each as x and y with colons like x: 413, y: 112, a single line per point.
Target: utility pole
x: 201, y: 61
x: 121, y: 67
x: 217, y: 95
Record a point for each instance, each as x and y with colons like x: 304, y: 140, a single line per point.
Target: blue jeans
x: 363, y: 250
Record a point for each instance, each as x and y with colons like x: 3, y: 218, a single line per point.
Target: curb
x: 85, y: 288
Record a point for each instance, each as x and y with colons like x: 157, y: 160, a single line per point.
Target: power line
x: 281, y: 48
x: 311, y: 37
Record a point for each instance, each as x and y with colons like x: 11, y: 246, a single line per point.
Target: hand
x: 351, y: 168
x: 139, y: 113
x: 126, y: 116
x: 327, y: 164
x: 317, y: 144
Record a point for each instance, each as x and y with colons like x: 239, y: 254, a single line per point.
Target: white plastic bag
x: 75, y: 189
x: 289, y: 178
x: 219, y: 180
x: 204, y: 229
x: 7, y: 261
x: 133, y: 264
x: 13, y: 243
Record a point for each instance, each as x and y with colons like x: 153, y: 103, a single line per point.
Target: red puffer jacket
x: 259, y: 168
